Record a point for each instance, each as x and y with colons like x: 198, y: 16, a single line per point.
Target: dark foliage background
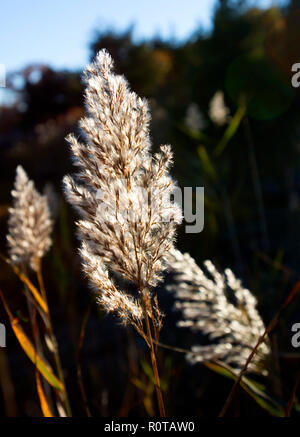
x: 252, y: 209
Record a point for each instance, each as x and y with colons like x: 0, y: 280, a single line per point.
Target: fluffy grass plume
x: 121, y: 192
x: 218, y: 306
x: 29, y: 223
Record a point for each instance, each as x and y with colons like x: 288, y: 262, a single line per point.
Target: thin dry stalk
x: 36, y: 343
x: 54, y: 345
x: 268, y: 330
x: 153, y: 359
x: 78, y: 361
x: 292, y: 396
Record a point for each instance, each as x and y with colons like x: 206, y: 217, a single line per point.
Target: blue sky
x: 57, y: 32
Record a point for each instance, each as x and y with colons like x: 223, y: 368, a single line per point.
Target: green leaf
x: 231, y: 130
x: 254, y: 389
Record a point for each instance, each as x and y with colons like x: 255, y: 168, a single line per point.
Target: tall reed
x: 122, y: 194
x: 29, y: 238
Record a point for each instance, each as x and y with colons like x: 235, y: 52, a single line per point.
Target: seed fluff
x: 122, y: 194
x: 29, y: 223
x: 217, y: 305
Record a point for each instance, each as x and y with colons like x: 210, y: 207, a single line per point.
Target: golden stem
x: 160, y: 401
x: 53, y: 340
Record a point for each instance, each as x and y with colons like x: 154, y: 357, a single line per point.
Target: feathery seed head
x: 218, y: 111
x: 218, y: 306
x: 29, y: 223
x: 194, y: 118
x: 122, y: 192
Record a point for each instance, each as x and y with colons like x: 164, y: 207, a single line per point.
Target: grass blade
x: 292, y: 396
x: 43, y: 401
x: 269, y: 329
x: 251, y: 387
x: 35, y: 293
x: 28, y: 348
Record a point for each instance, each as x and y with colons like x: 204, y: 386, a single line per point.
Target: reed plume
x: 217, y: 305
x: 122, y: 194
x: 29, y: 223
x: 218, y: 111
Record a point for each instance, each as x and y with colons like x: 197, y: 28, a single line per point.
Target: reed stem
x: 160, y: 400
x: 54, y: 342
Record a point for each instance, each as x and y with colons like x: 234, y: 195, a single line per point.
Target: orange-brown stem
x: 54, y: 342
x: 160, y: 400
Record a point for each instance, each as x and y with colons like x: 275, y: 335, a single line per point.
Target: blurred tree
x: 45, y: 93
